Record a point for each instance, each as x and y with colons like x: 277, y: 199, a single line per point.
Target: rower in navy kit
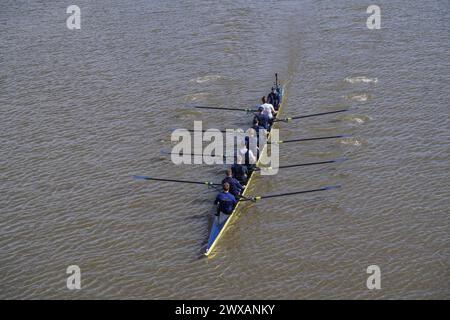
x: 263, y: 119
x: 235, y: 187
x: 257, y: 127
x: 225, y: 201
x: 240, y: 171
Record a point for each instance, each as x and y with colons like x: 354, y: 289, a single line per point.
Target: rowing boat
x: 220, y: 224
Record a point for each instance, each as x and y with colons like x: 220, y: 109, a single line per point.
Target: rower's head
x: 252, y: 132
x: 228, y: 172
x: 263, y: 99
x: 226, y: 187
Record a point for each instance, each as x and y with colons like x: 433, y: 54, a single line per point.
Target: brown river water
x: 84, y: 110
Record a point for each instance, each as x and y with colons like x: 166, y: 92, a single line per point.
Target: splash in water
x: 206, y: 79
x: 360, y: 80
x: 201, y: 96
x: 358, y: 97
x: 351, y: 141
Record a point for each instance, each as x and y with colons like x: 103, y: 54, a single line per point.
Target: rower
x: 274, y: 98
x: 225, y: 201
x: 263, y: 119
x: 268, y: 110
x: 240, y: 171
x: 248, y: 156
x: 235, y: 187
x: 257, y: 127
x: 252, y: 141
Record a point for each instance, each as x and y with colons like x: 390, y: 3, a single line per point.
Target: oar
x: 192, y: 154
x: 208, y: 183
x: 310, y: 115
x: 308, y: 139
x: 223, y: 131
x: 229, y: 109
x: 256, y: 198
x: 304, y: 164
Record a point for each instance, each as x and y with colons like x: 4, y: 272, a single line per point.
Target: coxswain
x: 235, y: 187
x: 274, y: 98
x: 225, y: 201
x: 240, y: 171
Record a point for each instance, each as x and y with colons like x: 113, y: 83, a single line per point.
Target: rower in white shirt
x: 269, y: 110
x: 248, y: 156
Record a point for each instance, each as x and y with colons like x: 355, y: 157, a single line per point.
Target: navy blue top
x: 240, y: 172
x: 235, y: 186
x: 263, y: 120
x: 274, y: 99
x: 226, y: 202
x: 258, y: 128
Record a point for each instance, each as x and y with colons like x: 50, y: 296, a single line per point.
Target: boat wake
x: 360, y: 80
x: 360, y: 97
x: 201, y: 96
x: 351, y: 142
x: 206, y: 79
x: 359, y: 120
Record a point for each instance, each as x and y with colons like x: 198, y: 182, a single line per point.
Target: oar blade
x: 332, y: 187
x: 340, y: 160
x: 141, y: 178
x: 165, y: 152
